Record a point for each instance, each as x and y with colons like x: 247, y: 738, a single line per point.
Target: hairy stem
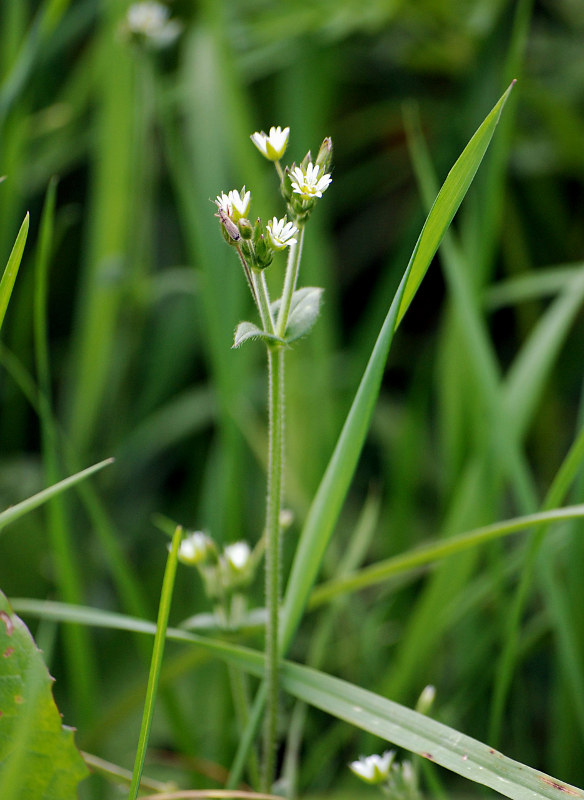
x: 294, y: 257
x: 273, y: 505
x: 261, y: 288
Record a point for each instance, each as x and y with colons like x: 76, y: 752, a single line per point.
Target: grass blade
x: 11, y: 270
x: 391, y: 721
x: 422, y: 556
x: 449, y: 199
x: 332, y: 491
x: 156, y: 665
x: 14, y: 512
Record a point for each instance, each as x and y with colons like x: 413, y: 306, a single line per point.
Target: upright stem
x: 273, y: 547
x: 261, y: 288
x: 294, y: 257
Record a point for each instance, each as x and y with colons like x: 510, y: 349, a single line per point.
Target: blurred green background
x: 126, y: 351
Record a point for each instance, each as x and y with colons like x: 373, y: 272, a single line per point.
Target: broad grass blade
x: 332, y: 491
x: 390, y: 721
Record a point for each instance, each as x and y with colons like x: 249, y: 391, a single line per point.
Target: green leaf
x: 14, y: 512
x: 38, y: 758
x: 247, y: 330
x: 381, y: 571
x: 447, y: 202
x: 390, y: 721
x: 335, y: 483
x: 304, y: 311
x: 11, y: 271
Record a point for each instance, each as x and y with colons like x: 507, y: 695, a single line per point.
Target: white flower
x: 151, y: 19
x: 307, y: 182
x: 239, y: 203
x: 237, y: 555
x: 281, y: 233
x: 274, y: 145
x: 223, y: 202
x: 234, y: 205
x: 373, y: 769
x: 195, y: 548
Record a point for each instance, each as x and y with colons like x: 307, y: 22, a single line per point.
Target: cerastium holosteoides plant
x: 282, y: 322
x: 227, y: 570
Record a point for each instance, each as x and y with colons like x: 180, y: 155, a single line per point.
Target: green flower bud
x: 245, y: 228
x: 325, y: 155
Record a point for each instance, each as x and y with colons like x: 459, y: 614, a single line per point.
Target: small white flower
x: 151, y: 19
x: 307, y: 181
x: 195, y: 548
x: 281, y: 233
x: 239, y: 203
x: 274, y: 145
x: 373, y: 769
x: 237, y: 555
x: 223, y: 202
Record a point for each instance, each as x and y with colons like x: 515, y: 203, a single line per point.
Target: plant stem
x: 273, y: 504
x: 248, y: 277
x: 294, y: 257
x: 263, y: 300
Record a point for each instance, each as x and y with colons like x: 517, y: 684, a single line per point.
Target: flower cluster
x: 256, y: 243
x: 301, y: 186
x: 223, y: 572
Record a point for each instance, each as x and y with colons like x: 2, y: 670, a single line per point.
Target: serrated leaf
x: 38, y: 758
x: 304, y: 311
x: 248, y: 330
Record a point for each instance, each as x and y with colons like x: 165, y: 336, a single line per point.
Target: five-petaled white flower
x: 274, y: 145
x: 307, y: 182
x: 373, y: 769
x: 281, y: 233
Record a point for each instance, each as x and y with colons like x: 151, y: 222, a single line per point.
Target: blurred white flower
x: 151, y: 20
x: 274, y: 145
x: 281, y: 232
x: 307, y: 182
x: 373, y: 769
x: 195, y: 548
x: 237, y: 555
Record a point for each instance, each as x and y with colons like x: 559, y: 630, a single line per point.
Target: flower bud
x: 263, y: 253
x: 325, y: 155
x: 306, y: 161
x: 426, y: 699
x: 245, y: 228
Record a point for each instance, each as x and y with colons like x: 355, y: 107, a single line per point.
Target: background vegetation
x: 117, y: 342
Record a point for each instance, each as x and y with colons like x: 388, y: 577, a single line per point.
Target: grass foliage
x: 117, y: 343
